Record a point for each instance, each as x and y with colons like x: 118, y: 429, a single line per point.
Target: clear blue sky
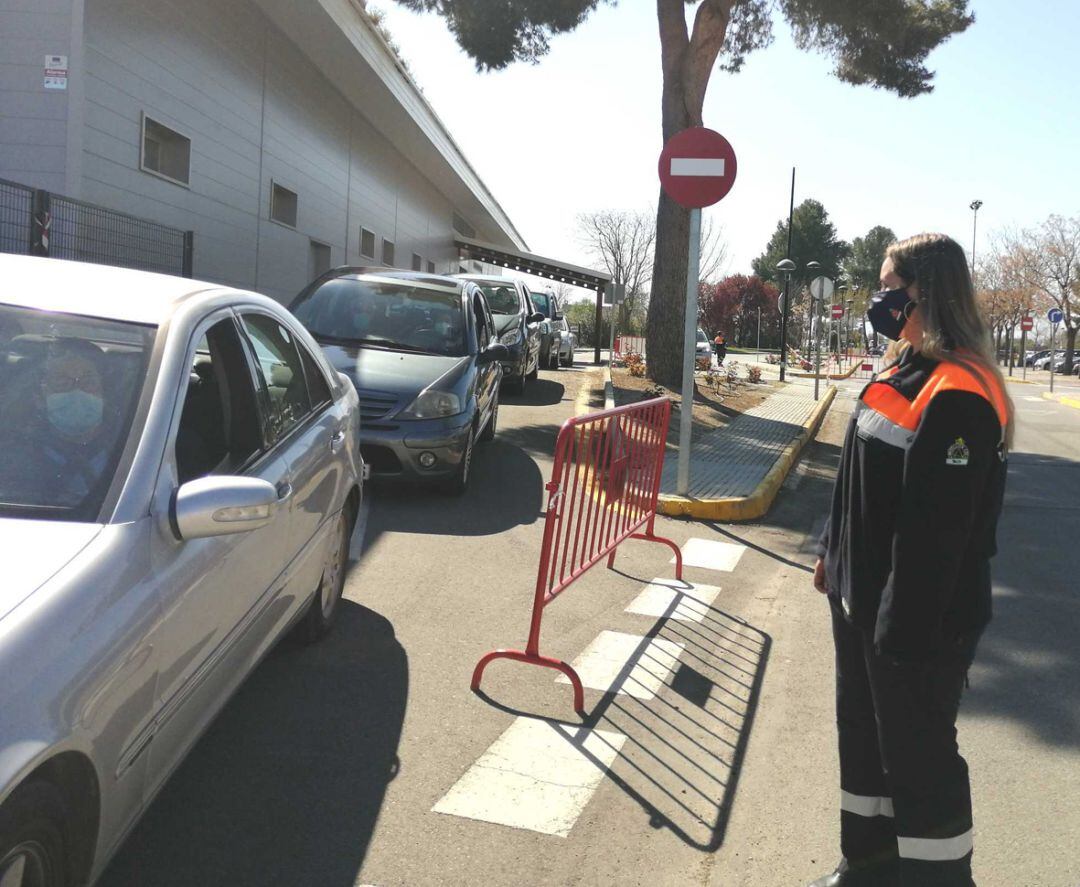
x: 581, y: 130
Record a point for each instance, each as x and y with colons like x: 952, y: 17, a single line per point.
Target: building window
x: 387, y: 252
x: 430, y: 267
x: 165, y: 152
x: 417, y: 262
x: 282, y: 205
x: 367, y: 243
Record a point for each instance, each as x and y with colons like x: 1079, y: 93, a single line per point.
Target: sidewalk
x: 736, y: 470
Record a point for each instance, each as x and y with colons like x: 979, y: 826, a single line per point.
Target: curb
x: 584, y: 395
x: 758, y: 502
x: 1020, y: 381
x: 1061, y: 398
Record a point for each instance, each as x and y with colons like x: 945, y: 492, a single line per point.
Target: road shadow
x: 684, y: 746
x: 1026, y: 668
x: 286, y: 786
x: 539, y: 392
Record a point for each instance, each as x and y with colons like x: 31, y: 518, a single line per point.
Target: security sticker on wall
x: 958, y: 453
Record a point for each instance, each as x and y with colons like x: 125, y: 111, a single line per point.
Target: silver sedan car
x: 179, y: 476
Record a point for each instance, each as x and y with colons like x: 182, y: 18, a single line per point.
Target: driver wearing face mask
x: 67, y: 439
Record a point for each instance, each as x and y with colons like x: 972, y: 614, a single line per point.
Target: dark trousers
x: 905, y: 809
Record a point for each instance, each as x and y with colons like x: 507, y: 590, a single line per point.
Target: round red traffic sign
x: 1026, y: 323
x: 697, y: 167
x: 837, y: 311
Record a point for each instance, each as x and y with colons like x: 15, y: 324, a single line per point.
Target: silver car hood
x: 33, y: 551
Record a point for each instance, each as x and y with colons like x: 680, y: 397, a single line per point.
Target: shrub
x: 805, y: 365
x: 635, y: 363
x: 732, y: 373
x: 772, y: 358
x: 753, y: 374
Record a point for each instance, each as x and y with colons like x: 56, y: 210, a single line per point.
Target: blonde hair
x: 953, y: 326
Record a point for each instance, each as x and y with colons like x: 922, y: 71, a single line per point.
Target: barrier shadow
x: 287, y: 784
x: 686, y: 723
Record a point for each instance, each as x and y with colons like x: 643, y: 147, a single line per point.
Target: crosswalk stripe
x: 710, y: 554
x: 626, y: 663
x: 682, y: 601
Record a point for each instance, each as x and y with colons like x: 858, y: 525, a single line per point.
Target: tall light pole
x: 974, y: 205
x: 785, y: 266
x: 812, y: 269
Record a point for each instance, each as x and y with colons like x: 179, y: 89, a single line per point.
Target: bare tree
x: 1048, y: 260
x: 622, y: 242
x: 714, y: 252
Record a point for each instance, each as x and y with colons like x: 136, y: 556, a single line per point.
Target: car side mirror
x: 537, y: 317
x: 559, y: 316
x: 220, y: 506
x: 493, y: 354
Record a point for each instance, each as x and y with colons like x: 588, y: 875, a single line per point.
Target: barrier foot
x: 545, y: 661
x: 649, y: 537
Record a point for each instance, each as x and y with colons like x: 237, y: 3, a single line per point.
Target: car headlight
x: 433, y: 405
x: 510, y: 337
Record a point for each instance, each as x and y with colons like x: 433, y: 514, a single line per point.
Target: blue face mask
x: 889, y: 312
x: 75, y: 412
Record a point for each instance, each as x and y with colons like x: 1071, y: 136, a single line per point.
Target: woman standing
x: 905, y: 562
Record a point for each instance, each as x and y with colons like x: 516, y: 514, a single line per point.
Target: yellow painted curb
x: 758, y: 502
x: 1060, y: 398
x: 1020, y: 381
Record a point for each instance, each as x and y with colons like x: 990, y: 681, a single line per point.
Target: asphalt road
x: 326, y: 766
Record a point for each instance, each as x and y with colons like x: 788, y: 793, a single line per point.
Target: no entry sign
x: 697, y: 167
x: 1026, y: 323
x: 837, y: 311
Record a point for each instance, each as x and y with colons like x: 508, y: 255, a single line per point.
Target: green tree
x: 813, y: 239
x: 862, y: 270
x: 881, y: 43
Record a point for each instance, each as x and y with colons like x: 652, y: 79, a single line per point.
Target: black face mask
x: 889, y: 312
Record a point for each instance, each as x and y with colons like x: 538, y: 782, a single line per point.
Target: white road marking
x: 711, y: 554
x: 537, y: 776
x: 683, y: 601
x: 613, y: 658
x: 697, y: 166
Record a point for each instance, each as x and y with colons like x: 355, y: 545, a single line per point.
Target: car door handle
x: 284, y: 491
x: 336, y: 440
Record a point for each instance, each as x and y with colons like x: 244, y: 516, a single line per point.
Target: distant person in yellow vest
x: 905, y: 562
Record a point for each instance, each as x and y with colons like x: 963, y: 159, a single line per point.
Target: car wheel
x: 492, y: 423
x: 568, y: 361
x: 459, y: 483
x: 324, y: 607
x: 536, y: 368
x: 32, y: 837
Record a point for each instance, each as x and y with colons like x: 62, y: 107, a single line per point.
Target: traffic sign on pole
x: 697, y: 167
x: 1027, y: 323
x: 837, y: 311
x: 1055, y: 316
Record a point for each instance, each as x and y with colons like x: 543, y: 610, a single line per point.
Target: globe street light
x: 974, y: 206
x: 785, y: 266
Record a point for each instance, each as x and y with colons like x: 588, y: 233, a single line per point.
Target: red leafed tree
x: 731, y: 307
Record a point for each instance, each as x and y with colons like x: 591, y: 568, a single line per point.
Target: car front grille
x: 375, y: 404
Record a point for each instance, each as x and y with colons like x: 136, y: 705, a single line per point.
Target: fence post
x: 189, y: 250
x: 40, y: 222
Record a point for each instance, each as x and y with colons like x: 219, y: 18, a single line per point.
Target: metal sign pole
x: 686, y: 409
x: 1023, y: 351
x: 816, y: 300
x: 1053, y: 354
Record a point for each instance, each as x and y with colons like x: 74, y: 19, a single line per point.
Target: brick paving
x: 731, y: 461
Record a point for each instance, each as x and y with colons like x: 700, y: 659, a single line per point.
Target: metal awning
x: 531, y: 264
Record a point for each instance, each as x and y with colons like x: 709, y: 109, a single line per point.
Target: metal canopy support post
x: 686, y: 409
x: 599, y: 324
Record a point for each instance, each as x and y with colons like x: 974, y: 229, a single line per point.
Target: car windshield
x: 502, y: 298
x: 542, y: 302
x: 701, y: 337
x: 68, y: 390
x: 401, y: 315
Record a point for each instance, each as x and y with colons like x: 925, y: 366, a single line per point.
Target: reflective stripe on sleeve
x: 873, y: 424
x: 935, y: 849
x: 865, y: 805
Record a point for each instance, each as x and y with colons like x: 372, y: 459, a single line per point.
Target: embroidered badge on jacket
x: 958, y: 453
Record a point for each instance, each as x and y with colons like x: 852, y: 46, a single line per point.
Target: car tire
x: 459, y: 482
x: 34, y: 836
x: 569, y: 361
x: 492, y: 423
x: 320, y: 616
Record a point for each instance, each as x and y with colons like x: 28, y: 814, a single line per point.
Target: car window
x: 219, y: 428
x: 69, y: 386
x: 483, y: 328
x: 406, y: 315
x: 502, y: 298
x: 541, y: 302
x: 318, y: 388
x: 280, y: 369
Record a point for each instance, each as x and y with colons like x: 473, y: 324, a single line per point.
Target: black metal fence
x: 39, y: 223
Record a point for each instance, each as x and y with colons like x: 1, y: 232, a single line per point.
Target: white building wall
x: 257, y: 112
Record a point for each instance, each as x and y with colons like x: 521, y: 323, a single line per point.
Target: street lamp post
x: 786, y: 266
x: 815, y: 313
x: 974, y: 206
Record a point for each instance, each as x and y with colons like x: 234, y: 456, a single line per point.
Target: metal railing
x: 36, y: 222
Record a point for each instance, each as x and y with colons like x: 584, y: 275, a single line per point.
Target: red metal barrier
x: 603, y: 490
